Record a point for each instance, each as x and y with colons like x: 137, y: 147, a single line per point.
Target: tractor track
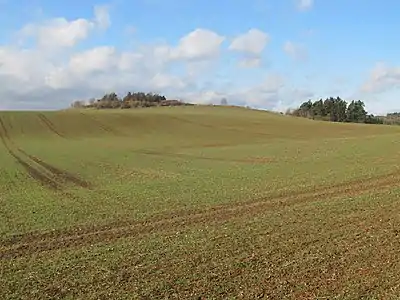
x: 50, y: 125
x: 199, y: 157
x: 231, y: 129
x: 66, y: 176
x: 34, y: 243
x: 50, y: 177
x: 103, y: 126
x: 34, y: 173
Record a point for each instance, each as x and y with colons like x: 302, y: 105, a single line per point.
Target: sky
x: 266, y: 54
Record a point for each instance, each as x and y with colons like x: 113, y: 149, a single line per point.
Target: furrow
x: 35, y: 243
x: 50, y: 125
x: 66, y: 176
x: 34, y: 173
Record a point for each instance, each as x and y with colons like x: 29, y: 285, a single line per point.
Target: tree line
x: 336, y: 110
x: 330, y: 109
x: 130, y: 100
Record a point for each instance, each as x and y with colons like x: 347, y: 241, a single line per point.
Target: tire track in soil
x: 103, y: 126
x: 253, y: 160
x: 219, y: 127
x: 34, y: 243
x: 32, y: 172
x: 50, y: 125
x: 66, y: 176
x: 57, y: 175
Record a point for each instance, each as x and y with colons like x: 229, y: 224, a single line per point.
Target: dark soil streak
x: 103, y: 126
x: 55, y: 172
x: 58, y: 172
x: 32, y: 243
x: 34, y: 173
x: 49, y: 125
x: 183, y: 156
x: 219, y: 127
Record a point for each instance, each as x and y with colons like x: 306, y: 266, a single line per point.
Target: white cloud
x: 205, y: 96
x: 102, y: 16
x: 252, y: 42
x: 60, y: 32
x: 165, y: 81
x: 304, y: 4
x: 22, y: 69
x: 84, y: 65
x: 263, y: 95
x: 381, y: 78
x: 96, y: 59
x: 295, y: 51
x: 199, y: 44
x: 273, y: 83
x: 250, y: 62
x: 53, y: 72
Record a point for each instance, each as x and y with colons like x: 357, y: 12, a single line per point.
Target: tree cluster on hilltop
x: 336, y: 110
x: 131, y: 100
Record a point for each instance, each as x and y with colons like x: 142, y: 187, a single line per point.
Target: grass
x: 197, y: 203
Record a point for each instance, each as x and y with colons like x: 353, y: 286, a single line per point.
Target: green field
x: 197, y: 203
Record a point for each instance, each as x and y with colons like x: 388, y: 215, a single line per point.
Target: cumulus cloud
x: 165, y: 81
x: 382, y: 78
x: 199, y: 44
x: 60, y: 32
x: 295, y: 51
x: 265, y: 94
x: 251, y: 44
x: 52, y: 71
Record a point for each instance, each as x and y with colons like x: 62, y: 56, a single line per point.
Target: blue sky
x: 263, y: 53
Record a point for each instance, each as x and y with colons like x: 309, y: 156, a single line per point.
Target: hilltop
x: 131, y: 100
x: 211, y: 122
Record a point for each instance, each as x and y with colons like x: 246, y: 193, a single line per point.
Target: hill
x: 196, y: 202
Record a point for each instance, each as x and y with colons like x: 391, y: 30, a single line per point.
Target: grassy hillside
x: 189, y: 202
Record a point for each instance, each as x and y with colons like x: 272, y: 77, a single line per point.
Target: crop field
x: 197, y: 203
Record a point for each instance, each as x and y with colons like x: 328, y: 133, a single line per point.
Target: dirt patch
x: 50, y: 125
x: 31, y: 243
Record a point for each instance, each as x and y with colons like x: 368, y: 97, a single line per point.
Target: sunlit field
x: 197, y: 203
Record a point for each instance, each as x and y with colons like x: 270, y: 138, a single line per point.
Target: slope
x: 193, y: 189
